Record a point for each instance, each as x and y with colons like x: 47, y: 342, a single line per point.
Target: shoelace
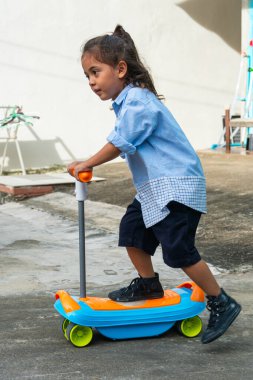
x: 216, y: 309
x: 133, y: 285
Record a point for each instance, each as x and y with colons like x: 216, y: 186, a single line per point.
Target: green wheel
x: 64, y: 325
x: 190, y: 327
x: 79, y: 336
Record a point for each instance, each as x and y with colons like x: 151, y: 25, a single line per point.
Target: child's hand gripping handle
x: 81, y: 185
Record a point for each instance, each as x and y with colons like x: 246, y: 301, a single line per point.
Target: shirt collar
x: 122, y: 95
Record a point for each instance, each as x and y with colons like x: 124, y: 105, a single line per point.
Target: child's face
x: 106, y: 81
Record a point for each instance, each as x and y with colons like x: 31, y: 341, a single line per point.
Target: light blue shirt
x: 163, y: 163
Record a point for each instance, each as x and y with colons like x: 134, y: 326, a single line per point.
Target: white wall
x: 191, y: 47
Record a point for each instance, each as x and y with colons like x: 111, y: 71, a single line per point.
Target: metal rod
x: 82, y: 249
x: 20, y: 157
x: 227, y: 124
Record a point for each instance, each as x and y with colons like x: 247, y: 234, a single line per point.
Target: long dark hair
x: 119, y: 46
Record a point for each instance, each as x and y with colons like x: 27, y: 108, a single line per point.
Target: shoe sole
x: 229, y: 323
x: 136, y: 298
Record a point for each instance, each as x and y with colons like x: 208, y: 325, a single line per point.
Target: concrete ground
x: 39, y: 255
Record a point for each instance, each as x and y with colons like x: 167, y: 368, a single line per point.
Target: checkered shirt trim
x: 157, y: 193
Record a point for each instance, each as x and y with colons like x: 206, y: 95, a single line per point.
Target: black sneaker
x: 224, y: 310
x: 139, y: 289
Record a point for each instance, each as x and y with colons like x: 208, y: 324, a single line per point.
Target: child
x: 167, y: 174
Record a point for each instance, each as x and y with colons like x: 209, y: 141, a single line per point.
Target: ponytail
x: 111, y: 49
x: 120, y: 32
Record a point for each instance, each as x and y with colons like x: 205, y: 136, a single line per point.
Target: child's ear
x: 122, y: 69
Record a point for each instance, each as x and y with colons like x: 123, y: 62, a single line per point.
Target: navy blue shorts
x: 176, y: 234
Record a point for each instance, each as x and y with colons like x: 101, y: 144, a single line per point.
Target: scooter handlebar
x: 81, y: 188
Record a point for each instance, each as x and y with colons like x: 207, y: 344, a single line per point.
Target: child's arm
x: 107, y: 153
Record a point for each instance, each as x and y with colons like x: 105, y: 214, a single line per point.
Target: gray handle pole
x: 82, y: 249
x: 81, y: 195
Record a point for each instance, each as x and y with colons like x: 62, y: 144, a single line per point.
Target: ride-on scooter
x: 180, y: 306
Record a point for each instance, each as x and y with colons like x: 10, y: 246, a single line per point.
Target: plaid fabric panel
x: 157, y: 193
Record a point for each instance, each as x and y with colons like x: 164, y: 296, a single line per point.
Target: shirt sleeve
x: 133, y: 127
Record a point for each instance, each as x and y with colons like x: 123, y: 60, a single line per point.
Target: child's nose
x: 91, y: 81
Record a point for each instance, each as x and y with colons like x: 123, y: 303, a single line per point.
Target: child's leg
x: 147, y: 286
x: 133, y: 233
x: 224, y: 309
x: 141, y: 261
x: 203, y: 277
x: 176, y: 234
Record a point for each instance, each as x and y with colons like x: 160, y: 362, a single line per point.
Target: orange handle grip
x: 83, y: 176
